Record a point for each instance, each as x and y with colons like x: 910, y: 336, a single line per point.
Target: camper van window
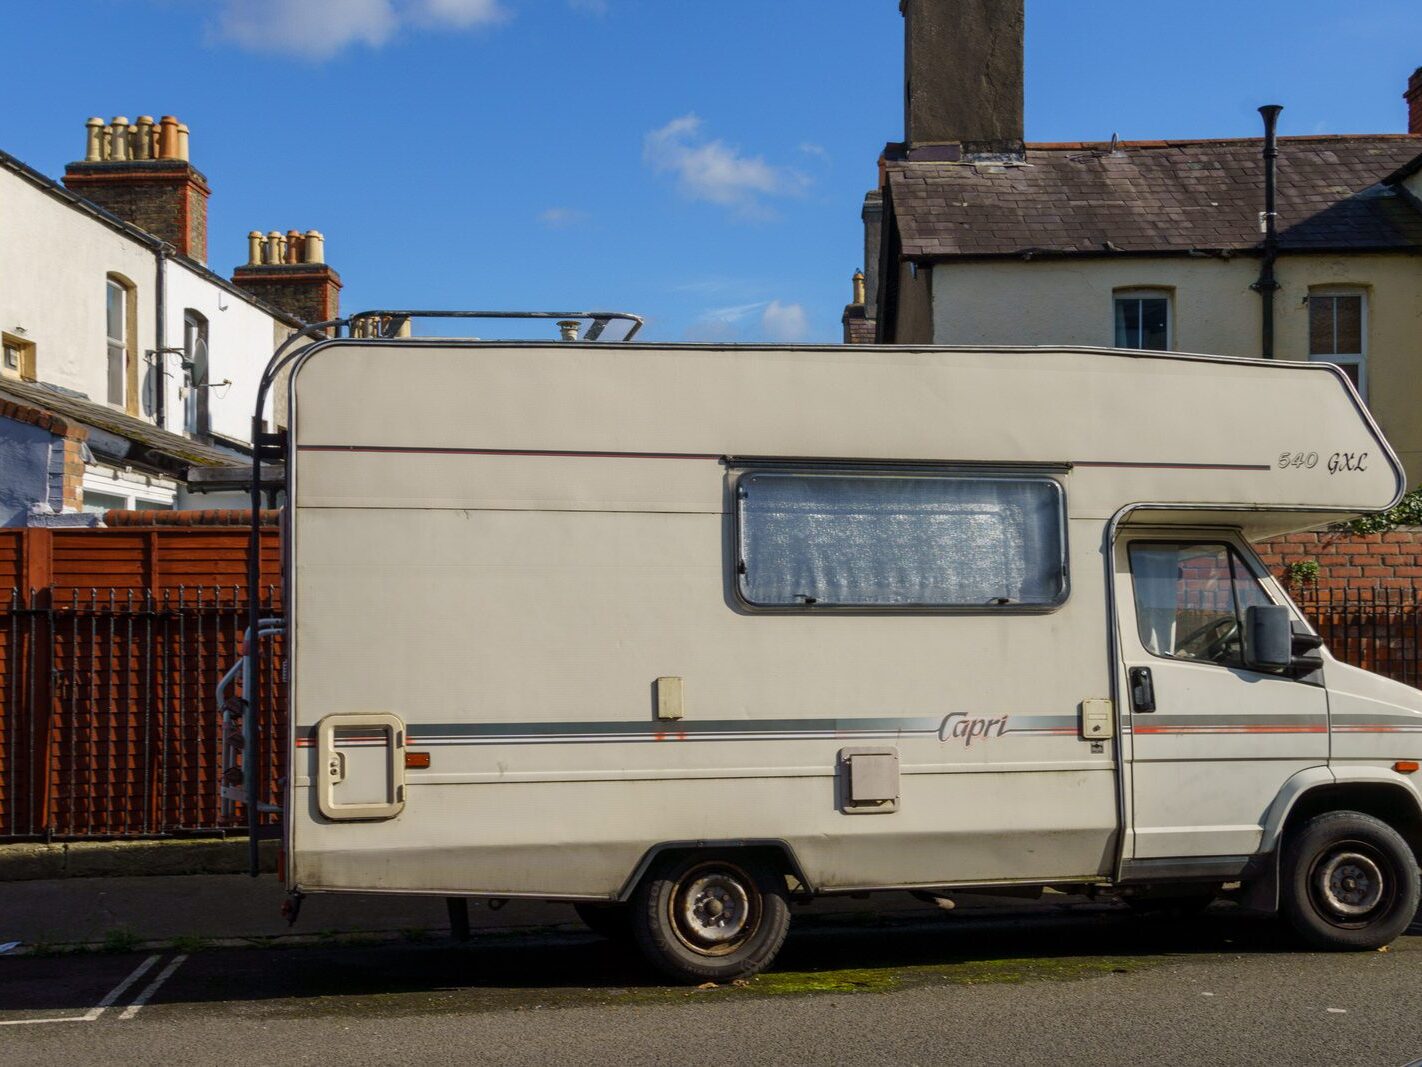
x: 1191, y: 599
x: 911, y: 541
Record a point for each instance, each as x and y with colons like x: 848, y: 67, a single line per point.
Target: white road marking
x: 143, y: 998
x: 98, y: 1009
x: 120, y: 989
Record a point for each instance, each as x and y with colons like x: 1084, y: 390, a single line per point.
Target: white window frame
x: 1147, y: 292
x: 131, y: 490
x: 116, y: 345
x: 1343, y: 359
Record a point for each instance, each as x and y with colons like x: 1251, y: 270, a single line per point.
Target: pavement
x: 1060, y: 984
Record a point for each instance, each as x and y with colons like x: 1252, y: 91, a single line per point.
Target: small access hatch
x: 360, y: 770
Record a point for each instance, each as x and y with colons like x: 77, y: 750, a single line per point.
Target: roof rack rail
x: 393, y: 323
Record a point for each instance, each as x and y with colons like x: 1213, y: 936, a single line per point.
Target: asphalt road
x: 1088, y: 985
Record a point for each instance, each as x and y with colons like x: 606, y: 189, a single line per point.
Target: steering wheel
x: 1212, y: 638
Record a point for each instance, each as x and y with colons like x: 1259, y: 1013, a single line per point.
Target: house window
x: 1143, y: 319
x: 889, y: 541
x: 196, y: 417
x: 119, y: 306
x: 1338, y: 332
x: 18, y: 360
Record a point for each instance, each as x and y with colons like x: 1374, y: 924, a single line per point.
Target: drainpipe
x: 1268, y: 284
x: 160, y: 384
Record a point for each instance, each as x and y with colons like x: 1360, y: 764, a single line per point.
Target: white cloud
x: 819, y: 151
x: 461, y: 14
x: 561, y: 218
x: 768, y: 320
x: 715, y: 171
x: 318, y: 29
x: 785, y: 322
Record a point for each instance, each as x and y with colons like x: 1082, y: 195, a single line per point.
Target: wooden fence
x: 111, y: 644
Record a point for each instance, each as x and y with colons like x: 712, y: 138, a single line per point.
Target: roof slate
x: 153, y: 447
x: 1159, y: 196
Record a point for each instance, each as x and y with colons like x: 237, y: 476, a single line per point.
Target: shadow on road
x: 503, y: 971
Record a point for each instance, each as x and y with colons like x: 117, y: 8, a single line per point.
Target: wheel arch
x: 1376, y: 791
x: 774, y: 850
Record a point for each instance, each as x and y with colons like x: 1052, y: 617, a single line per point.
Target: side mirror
x: 1268, y: 639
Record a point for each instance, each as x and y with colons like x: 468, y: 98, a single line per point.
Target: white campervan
x: 683, y: 632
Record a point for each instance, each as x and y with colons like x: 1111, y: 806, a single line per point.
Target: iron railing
x: 109, y: 728
x: 107, y: 720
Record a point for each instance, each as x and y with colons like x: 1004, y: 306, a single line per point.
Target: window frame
x: 25, y: 369
x: 128, y: 344
x: 1343, y: 359
x: 1146, y: 292
x: 197, y: 414
x: 1051, y: 476
x: 1260, y: 577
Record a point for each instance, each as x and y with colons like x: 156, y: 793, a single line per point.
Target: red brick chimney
x: 1413, y: 96
x: 289, y: 271
x: 141, y: 173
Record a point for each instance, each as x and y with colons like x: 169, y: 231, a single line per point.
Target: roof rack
x: 393, y: 323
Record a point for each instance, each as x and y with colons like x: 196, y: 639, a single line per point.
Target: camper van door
x: 1211, y: 742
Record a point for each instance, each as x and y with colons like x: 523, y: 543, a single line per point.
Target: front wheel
x: 1348, y: 881
x: 711, y: 917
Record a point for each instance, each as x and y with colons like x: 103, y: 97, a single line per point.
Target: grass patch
x: 188, y: 943
x: 120, y: 939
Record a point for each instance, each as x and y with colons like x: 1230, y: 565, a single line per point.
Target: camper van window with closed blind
x: 888, y: 541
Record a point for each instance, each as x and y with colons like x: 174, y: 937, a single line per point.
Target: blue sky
x: 700, y: 162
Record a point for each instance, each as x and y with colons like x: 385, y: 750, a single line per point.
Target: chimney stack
x: 1413, y: 96
x: 289, y: 271
x: 963, y: 94
x: 140, y: 172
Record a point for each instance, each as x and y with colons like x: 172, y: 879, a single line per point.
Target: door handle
x: 1142, y: 690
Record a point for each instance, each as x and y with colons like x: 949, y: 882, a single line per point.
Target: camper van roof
x: 1272, y: 445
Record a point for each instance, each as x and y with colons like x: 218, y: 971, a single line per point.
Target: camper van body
x: 878, y: 618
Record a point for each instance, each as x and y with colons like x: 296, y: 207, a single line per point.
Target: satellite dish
x: 197, y: 363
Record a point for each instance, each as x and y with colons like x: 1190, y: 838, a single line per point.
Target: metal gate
x: 107, y: 720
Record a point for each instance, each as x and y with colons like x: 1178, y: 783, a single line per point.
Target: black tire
x: 612, y: 921
x: 711, y: 917
x: 1348, y: 882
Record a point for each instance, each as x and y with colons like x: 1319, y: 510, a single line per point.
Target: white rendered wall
x: 54, y: 260
x: 240, y: 340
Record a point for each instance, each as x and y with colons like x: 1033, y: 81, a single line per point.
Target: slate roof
x: 1153, y: 197
x: 141, y: 443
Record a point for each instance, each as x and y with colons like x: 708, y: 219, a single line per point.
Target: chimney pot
x: 183, y: 141
x: 94, y: 140
x: 118, y: 138
x: 293, y: 246
x: 254, y: 248
x: 168, y: 137
x: 315, y: 247
x: 568, y: 329
x: 859, y: 286
x: 144, y: 143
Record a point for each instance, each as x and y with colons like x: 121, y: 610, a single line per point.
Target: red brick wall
x: 1390, y: 560
x: 309, y: 291
x: 166, y: 197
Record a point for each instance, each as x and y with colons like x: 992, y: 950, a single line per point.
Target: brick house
x: 974, y: 236
x: 114, y: 327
